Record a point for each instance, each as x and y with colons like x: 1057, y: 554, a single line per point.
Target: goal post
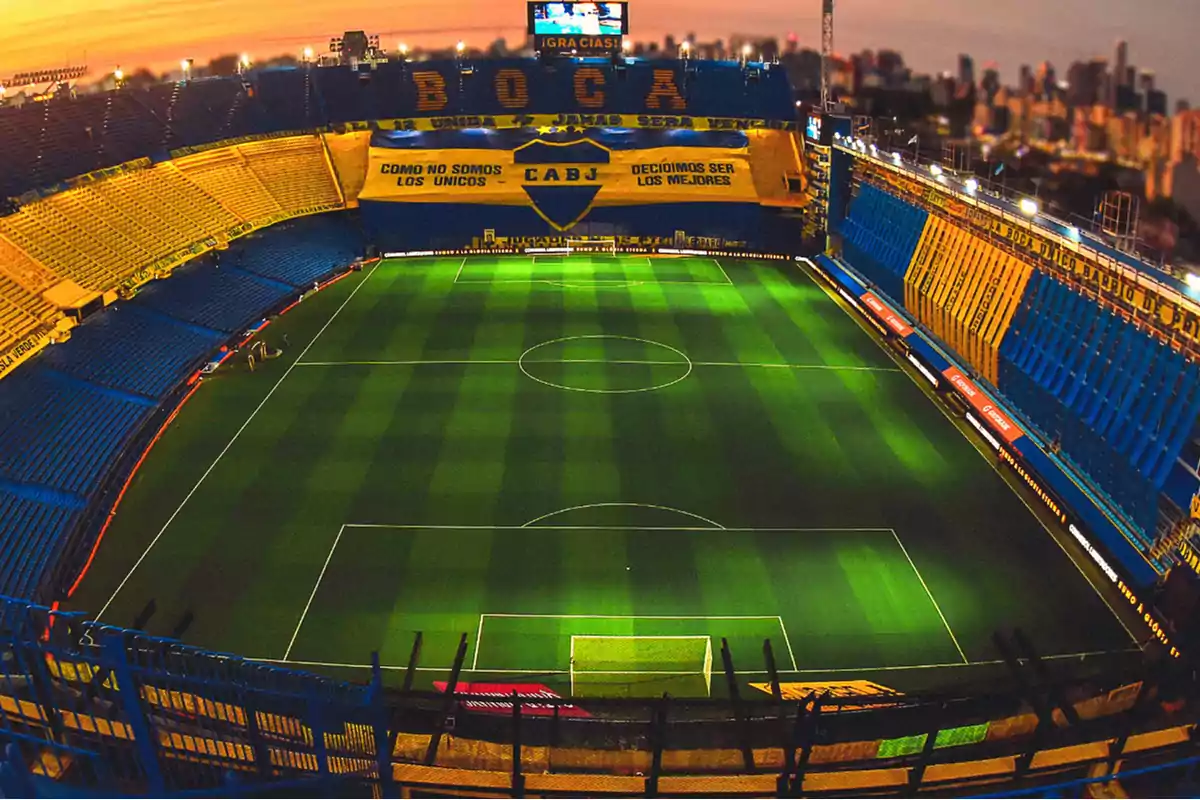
x: 594, y: 246
x: 641, y: 666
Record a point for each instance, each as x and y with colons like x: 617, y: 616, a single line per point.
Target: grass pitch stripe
x: 231, y: 442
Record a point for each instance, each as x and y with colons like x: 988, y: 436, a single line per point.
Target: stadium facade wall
x: 107, y: 129
x: 1103, y: 378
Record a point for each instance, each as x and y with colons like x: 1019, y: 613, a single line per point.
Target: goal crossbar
x: 597, y: 659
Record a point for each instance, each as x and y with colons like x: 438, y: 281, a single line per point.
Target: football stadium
x: 573, y: 426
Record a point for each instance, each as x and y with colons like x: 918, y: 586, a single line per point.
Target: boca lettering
x: 664, y: 93
x: 588, y: 91
x: 431, y: 90
x: 512, y: 88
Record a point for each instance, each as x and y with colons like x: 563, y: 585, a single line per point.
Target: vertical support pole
x: 413, y: 657
x: 917, y: 772
x: 262, y: 756
x: 316, y: 724
x: 379, y: 716
x: 409, y: 675
x: 772, y: 671
x: 518, y: 779
x: 791, y: 736
x: 807, y: 736
x: 130, y: 698
x: 435, y: 738
x: 735, y: 699
x: 658, y: 740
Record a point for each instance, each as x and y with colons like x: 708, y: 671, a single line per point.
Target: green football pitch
x: 596, y: 468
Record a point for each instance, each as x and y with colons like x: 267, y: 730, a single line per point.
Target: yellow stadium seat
x: 965, y: 290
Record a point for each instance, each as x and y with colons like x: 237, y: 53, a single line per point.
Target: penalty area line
x: 317, y: 585
x: 231, y: 442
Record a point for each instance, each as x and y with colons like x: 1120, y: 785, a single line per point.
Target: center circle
x: 605, y: 364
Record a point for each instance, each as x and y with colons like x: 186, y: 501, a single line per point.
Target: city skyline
x: 929, y: 33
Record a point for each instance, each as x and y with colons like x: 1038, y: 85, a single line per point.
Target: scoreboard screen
x: 813, y: 129
x: 578, y: 19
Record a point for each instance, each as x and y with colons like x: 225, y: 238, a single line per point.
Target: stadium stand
x: 965, y: 290
x: 224, y: 299
x: 295, y: 172
x: 61, y: 432
x: 29, y: 539
x: 881, y: 233
x: 66, y: 415
x: 298, y: 253
x: 224, y: 174
x: 1118, y: 402
x: 133, y: 349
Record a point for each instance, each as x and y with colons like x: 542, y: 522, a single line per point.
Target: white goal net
x: 641, y: 666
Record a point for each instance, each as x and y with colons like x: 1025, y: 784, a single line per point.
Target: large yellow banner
x: 536, y: 171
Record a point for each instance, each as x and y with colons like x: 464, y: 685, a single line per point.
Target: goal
x: 594, y: 246
x: 641, y: 666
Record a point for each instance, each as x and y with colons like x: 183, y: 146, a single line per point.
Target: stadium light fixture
x: 244, y: 61
x: 972, y: 186
x: 1192, y: 280
x: 461, y: 47
x: 935, y: 170
x: 1073, y: 232
x: 403, y: 50
x: 746, y: 51
x: 1028, y: 206
x: 896, y: 159
x: 118, y: 76
x: 626, y: 45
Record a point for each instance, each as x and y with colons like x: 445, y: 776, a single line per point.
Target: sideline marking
x: 236, y: 435
x: 987, y: 457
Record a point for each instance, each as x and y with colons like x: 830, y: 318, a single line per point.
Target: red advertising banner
x: 997, y: 419
x: 886, y: 315
x: 496, y: 698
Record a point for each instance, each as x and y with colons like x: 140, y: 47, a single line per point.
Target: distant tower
x: 1117, y: 76
x: 826, y: 51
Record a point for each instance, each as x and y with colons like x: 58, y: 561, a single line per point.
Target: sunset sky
x: 1163, y: 34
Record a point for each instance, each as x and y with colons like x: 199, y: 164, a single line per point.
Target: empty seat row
x: 1120, y: 402
x: 133, y: 349
x: 879, y: 236
x: 30, y: 539
x: 221, y: 298
x: 59, y: 432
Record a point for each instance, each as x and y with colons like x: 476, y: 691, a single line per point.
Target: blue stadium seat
x: 223, y: 299
x: 61, y: 433
x: 1120, y: 403
x: 29, y: 539
x: 133, y: 349
x: 880, y: 234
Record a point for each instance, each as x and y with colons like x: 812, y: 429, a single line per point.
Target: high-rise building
x: 990, y: 84
x: 966, y: 71
x: 1146, y: 81
x: 1025, y: 80
x: 1117, y: 76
